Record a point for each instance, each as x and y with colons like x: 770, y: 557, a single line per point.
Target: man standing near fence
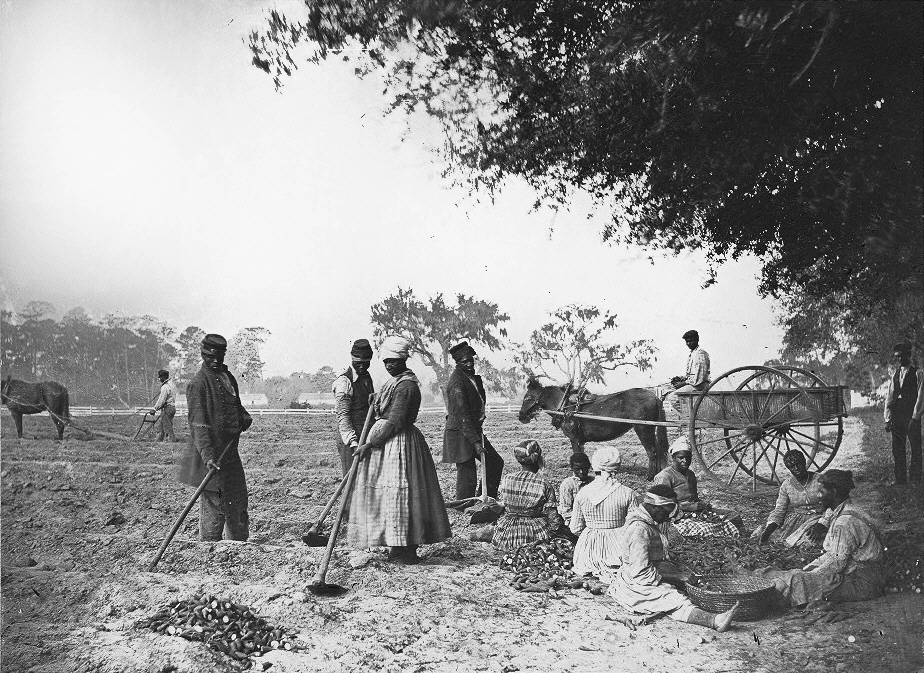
x: 166, y: 404
x: 463, y: 438
x: 216, y: 420
x: 351, y: 399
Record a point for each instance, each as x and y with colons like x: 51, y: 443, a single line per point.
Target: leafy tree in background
x: 189, y: 359
x: 506, y: 382
x: 434, y: 326
x: 788, y: 130
x: 244, y: 353
x: 575, y: 345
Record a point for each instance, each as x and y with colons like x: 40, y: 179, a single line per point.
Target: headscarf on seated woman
x: 529, y: 454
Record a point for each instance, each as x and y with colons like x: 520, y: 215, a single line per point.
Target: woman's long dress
x: 600, y: 510
x: 531, y: 510
x: 396, y: 499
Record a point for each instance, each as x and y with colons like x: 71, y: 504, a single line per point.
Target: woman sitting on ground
x: 641, y: 583
x: 796, y: 518
x: 680, y: 478
x: 600, y: 510
x: 531, y: 504
x: 851, y: 568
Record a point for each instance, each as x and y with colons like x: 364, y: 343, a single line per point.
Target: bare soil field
x: 81, y: 520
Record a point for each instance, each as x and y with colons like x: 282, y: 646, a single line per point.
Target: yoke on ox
x: 34, y: 398
x: 635, y: 403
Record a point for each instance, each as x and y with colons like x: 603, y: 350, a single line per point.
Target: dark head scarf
x: 529, y: 453
x: 163, y: 374
x: 842, y: 480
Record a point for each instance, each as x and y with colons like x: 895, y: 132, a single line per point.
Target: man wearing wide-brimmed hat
x: 216, y: 420
x: 463, y: 438
x: 351, y: 396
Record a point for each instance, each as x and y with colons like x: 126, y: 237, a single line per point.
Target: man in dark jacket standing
x: 463, y: 438
x: 904, y: 406
x: 216, y: 420
x: 351, y: 396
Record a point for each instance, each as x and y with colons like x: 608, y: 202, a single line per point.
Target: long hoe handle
x: 335, y: 529
x: 189, y: 506
x: 316, y: 527
x: 483, y: 468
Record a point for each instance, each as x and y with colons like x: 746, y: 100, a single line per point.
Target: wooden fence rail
x: 100, y: 411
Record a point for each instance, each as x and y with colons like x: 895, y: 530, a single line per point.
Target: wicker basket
x: 718, y: 593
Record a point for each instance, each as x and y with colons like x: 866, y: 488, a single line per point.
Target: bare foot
x: 724, y: 620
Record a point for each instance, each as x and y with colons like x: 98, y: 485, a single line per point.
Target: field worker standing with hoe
x: 463, y: 437
x: 351, y: 396
x: 166, y: 404
x: 396, y: 500
x: 216, y: 420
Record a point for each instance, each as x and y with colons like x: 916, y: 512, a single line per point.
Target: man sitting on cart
x: 696, y: 378
x: 693, y: 518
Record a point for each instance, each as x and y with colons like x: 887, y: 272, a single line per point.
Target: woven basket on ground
x: 718, y: 593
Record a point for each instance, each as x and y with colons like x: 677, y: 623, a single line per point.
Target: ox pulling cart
x: 742, y: 425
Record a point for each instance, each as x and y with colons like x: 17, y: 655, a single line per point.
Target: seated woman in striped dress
x: 531, y: 502
x: 600, y: 509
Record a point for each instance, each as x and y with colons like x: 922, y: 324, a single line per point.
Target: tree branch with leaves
x: 433, y: 326
x: 575, y: 344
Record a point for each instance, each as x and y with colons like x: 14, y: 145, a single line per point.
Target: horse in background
x: 635, y: 403
x: 34, y: 398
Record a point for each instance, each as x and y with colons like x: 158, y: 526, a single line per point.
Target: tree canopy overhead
x: 789, y: 130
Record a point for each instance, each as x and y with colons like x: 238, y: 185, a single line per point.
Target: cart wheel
x: 831, y: 429
x: 747, y: 420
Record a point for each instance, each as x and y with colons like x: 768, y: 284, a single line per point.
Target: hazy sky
x: 147, y: 168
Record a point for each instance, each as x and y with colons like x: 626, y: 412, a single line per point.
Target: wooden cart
x: 742, y: 425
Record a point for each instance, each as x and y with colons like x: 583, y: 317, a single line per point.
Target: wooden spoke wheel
x: 743, y: 424
x: 831, y: 429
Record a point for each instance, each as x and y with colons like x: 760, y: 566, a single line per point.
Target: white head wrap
x: 606, y: 459
x: 395, y: 348
x: 661, y: 501
x: 681, y: 444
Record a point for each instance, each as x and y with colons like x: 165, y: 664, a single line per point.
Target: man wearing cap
x: 463, y: 437
x: 166, y: 404
x: 216, y: 420
x: 904, y: 405
x: 850, y: 569
x: 643, y: 582
x: 351, y: 396
x: 697, y: 375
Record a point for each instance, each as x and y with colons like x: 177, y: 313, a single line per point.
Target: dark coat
x: 464, y: 417
x: 216, y: 419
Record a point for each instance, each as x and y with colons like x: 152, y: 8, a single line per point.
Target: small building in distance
x: 316, y: 400
x: 254, y: 400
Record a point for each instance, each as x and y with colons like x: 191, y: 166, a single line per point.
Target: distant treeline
x: 114, y: 360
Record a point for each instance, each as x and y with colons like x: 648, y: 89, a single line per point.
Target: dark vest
x: 906, y: 394
x: 359, y: 405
